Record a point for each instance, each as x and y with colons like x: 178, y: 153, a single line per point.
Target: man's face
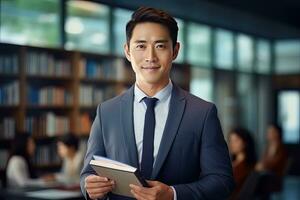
x: 151, y: 53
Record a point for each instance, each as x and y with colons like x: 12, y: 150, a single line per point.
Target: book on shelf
x: 7, y: 128
x: 4, y: 154
x: 121, y: 173
x: 10, y: 94
x: 9, y: 64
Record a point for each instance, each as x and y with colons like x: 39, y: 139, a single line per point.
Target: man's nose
x: 151, y: 55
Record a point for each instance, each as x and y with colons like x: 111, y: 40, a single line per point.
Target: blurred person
x: 275, y: 154
x: 72, y: 158
x: 275, y: 157
x: 19, y: 171
x: 242, y: 151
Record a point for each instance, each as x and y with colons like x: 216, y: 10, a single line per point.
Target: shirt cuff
x: 174, y: 192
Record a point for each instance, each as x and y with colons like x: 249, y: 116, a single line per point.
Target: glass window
x: 201, y: 83
x: 263, y: 55
x: 87, y: 26
x: 287, y: 56
x: 245, y: 53
x: 199, y: 44
x: 247, y: 101
x: 225, y: 98
x: 289, y: 115
x: 121, y: 17
x: 30, y: 22
x: 180, y: 38
x: 224, y: 49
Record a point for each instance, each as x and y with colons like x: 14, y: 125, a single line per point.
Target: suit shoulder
x: 197, y: 101
x: 112, y: 103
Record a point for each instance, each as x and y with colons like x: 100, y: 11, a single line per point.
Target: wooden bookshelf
x: 81, y: 80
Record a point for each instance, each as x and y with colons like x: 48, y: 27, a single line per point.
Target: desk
x: 39, y: 194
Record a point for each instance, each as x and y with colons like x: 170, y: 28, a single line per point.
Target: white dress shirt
x: 161, y: 113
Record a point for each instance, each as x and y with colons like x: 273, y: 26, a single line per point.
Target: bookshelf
x: 49, y: 92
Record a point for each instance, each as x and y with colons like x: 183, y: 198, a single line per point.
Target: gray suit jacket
x: 193, y: 156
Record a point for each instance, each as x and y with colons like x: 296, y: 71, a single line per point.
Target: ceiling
x: 272, y: 19
x: 284, y: 11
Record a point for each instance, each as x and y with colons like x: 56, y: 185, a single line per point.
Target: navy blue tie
x: 148, y: 138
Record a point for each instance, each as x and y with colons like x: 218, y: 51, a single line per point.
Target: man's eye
x: 140, y: 46
x: 160, y: 46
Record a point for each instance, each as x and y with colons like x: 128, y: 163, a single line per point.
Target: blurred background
x: 60, y: 58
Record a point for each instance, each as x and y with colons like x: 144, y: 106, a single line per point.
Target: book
x: 121, y: 173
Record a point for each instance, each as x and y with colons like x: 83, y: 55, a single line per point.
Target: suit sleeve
x: 216, y: 178
x: 95, y: 146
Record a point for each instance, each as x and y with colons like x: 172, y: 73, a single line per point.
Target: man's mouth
x: 150, y: 67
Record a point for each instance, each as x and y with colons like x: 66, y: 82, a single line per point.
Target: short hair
x: 69, y: 140
x: 147, y: 14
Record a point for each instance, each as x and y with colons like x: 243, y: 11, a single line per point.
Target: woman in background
x: 275, y: 156
x: 242, y: 150
x: 68, y: 151
x: 19, y: 171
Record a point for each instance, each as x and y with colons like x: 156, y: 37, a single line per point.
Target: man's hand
x: 156, y: 191
x: 97, y: 186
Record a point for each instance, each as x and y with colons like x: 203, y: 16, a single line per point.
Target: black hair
x: 147, y: 14
x: 245, y: 135
x: 69, y: 140
x: 19, y: 147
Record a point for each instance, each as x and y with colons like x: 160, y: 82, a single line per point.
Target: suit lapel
x: 177, y: 105
x: 126, y: 108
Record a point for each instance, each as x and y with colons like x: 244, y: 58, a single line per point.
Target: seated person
x: 241, y: 148
x: 274, y: 158
x: 67, y: 148
x: 19, y: 171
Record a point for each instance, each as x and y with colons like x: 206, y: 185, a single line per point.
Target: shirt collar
x: 163, y: 94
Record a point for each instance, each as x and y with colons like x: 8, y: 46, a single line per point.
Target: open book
x: 121, y: 173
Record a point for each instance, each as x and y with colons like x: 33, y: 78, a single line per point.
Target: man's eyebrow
x: 140, y: 41
x: 161, y: 41
x: 157, y: 41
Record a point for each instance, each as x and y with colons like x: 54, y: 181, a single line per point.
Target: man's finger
x: 99, y: 185
x: 94, y: 178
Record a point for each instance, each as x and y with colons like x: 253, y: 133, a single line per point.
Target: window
x: 247, y: 101
x: 30, y: 22
x: 287, y: 56
x: 224, y: 49
x: 87, y: 26
x: 263, y: 54
x: 289, y: 115
x: 245, y: 53
x: 201, y: 83
x: 199, y: 44
x: 121, y: 17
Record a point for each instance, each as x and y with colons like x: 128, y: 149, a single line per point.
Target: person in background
x: 19, y: 171
x: 274, y: 159
x: 72, y: 160
x: 275, y: 155
x: 242, y: 150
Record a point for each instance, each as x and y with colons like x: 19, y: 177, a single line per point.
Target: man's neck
x: 151, y: 89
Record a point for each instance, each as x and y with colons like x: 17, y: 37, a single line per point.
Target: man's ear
x: 176, y: 50
x: 127, y: 52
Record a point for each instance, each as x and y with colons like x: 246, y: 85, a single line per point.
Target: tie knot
x: 150, y: 102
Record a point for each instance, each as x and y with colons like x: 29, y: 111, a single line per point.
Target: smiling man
x: 173, y: 137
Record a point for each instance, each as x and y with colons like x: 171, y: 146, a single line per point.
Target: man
x: 188, y: 155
